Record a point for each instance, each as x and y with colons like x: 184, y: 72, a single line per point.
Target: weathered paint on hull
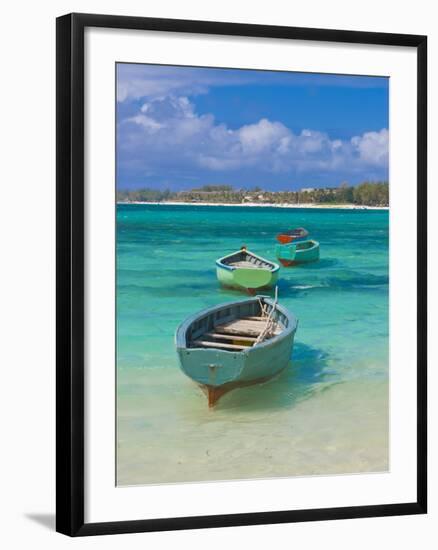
x: 248, y: 279
x: 221, y: 371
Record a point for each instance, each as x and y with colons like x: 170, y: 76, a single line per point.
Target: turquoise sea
x: 326, y: 414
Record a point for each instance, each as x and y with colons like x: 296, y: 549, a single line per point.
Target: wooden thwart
x: 207, y: 344
x: 246, y: 329
x: 242, y: 328
x: 254, y: 318
x: 219, y: 336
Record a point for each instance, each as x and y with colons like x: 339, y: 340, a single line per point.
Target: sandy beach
x: 263, y: 205
x: 249, y: 437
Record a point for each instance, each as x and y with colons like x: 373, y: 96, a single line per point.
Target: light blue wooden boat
x: 297, y: 252
x: 235, y: 344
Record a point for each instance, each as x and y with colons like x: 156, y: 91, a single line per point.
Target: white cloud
x: 262, y: 136
x: 146, y: 122
x: 168, y: 130
x: 373, y: 147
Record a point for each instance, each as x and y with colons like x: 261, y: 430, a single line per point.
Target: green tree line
x: 368, y: 193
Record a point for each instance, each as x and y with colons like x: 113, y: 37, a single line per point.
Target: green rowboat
x: 245, y: 270
x: 297, y: 252
x: 235, y: 344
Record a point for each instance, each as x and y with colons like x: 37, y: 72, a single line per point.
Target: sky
x: 184, y: 127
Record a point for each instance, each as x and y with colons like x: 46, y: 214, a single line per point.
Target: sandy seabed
x: 253, y: 433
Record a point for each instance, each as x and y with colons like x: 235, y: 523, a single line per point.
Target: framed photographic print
x: 241, y: 274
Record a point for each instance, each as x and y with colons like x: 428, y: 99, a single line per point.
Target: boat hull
x: 214, y: 367
x: 245, y: 270
x: 247, y: 279
x: 292, y: 254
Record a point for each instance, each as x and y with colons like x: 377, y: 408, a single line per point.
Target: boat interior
x: 237, y: 327
x: 304, y: 245
x: 245, y: 259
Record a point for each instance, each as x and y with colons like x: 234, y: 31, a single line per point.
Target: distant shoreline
x: 261, y: 205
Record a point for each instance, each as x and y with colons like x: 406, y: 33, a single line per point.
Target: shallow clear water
x: 327, y: 413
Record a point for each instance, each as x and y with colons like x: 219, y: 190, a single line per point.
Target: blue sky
x: 182, y: 127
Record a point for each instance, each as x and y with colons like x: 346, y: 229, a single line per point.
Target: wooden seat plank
x: 254, y: 318
x: 245, y: 322
x: 238, y: 331
x: 244, y: 330
x: 244, y: 327
x: 220, y: 345
x: 229, y: 337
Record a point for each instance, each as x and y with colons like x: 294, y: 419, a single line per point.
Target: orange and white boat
x: 292, y: 235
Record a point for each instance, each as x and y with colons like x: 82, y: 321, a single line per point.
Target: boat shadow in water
x: 307, y: 373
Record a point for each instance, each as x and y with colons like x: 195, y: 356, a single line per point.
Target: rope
x: 269, y: 321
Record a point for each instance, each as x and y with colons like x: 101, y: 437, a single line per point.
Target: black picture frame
x: 70, y: 273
